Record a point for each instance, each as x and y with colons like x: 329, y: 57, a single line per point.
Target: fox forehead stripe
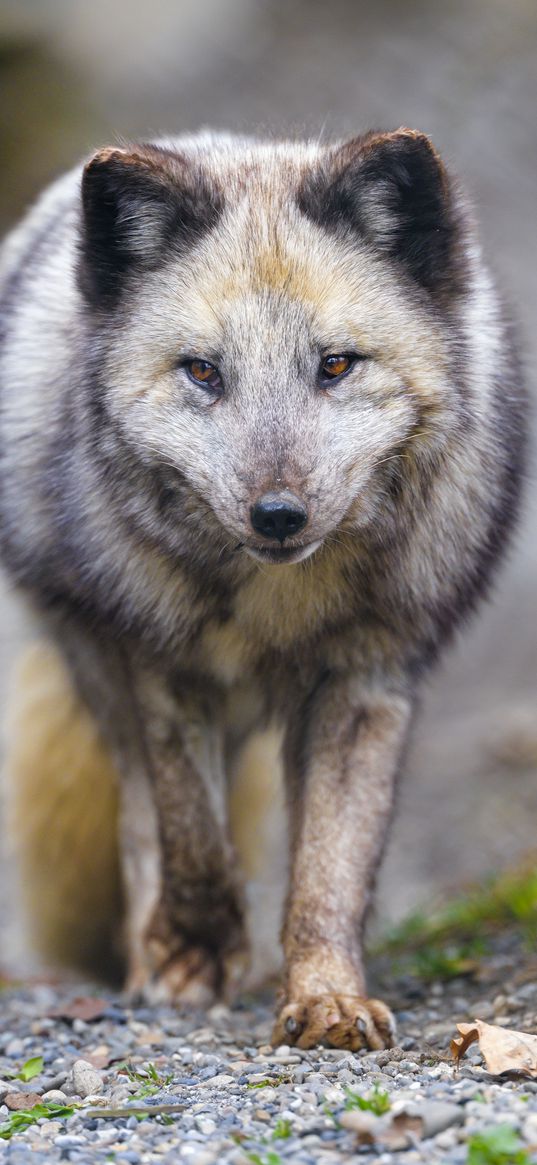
x: 234, y: 282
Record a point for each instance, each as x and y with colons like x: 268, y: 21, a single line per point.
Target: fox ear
x: 394, y: 191
x: 136, y: 207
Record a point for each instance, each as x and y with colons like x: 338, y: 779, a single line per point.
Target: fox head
x: 275, y: 323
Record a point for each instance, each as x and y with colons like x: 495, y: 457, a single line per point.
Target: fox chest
x: 278, y: 609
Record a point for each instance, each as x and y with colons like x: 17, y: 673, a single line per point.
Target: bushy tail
x: 258, y: 827
x: 61, y: 820
x: 61, y: 794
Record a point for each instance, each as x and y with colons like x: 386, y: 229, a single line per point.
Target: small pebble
x: 56, y: 1095
x: 209, y: 1064
x: 83, y: 1079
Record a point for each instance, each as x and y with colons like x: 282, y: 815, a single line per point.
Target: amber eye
x: 204, y: 373
x: 333, y: 367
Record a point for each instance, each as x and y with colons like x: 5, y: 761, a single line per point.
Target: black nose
x: 278, y: 516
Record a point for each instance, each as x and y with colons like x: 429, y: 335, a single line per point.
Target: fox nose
x: 278, y: 516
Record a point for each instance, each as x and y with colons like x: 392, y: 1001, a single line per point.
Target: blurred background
x: 76, y: 75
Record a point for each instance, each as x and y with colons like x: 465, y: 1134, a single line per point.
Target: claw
x: 345, y: 1021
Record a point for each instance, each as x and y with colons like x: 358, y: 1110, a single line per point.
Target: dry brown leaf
x: 391, y: 1131
x: 503, y: 1050
x: 8, y: 980
x: 468, y: 1036
x: 366, y: 1125
x: 85, y: 1007
x: 403, y: 1132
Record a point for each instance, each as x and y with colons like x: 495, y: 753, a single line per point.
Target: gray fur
x: 126, y: 492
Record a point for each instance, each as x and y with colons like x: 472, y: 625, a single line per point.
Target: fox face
x: 273, y: 325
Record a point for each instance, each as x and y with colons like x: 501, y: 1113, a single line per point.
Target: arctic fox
x: 262, y: 435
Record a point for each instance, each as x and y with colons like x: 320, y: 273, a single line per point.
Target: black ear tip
x: 109, y: 159
x: 99, y: 172
x: 404, y: 142
x: 406, y: 156
x: 405, y: 134
x: 101, y: 158
x: 138, y: 203
x: 408, y: 159
x: 392, y: 188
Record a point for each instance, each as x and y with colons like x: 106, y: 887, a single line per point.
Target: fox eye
x: 335, y: 366
x: 204, y: 373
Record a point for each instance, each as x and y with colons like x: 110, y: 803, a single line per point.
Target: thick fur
x: 127, y: 491
x: 61, y: 807
x: 62, y: 815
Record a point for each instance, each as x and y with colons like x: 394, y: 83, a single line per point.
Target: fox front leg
x: 183, y: 932
x: 191, y: 948
x: 342, y: 759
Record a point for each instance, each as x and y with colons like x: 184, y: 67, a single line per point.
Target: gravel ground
x: 234, y: 1099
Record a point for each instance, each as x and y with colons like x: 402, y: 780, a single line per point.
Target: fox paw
x: 194, y: 977
x: 341, y: 1021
